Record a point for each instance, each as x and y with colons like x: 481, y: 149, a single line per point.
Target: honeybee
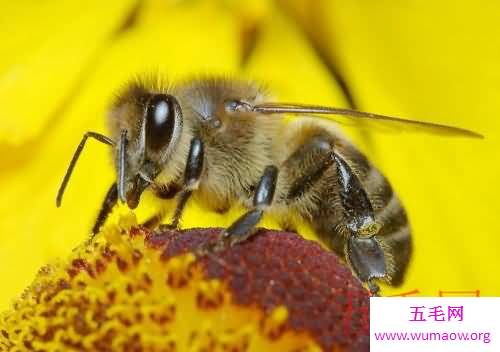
x: 222, y: 140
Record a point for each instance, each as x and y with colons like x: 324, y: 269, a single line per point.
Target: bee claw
x: 215, y: 246
x: 374, y: 288
x: 210, y: 250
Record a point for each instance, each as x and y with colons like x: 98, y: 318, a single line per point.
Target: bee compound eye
x: 160, y: 120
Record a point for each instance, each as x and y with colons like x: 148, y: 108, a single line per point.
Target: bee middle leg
x: 244, y: 227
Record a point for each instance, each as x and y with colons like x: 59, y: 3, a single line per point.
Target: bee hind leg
x: 316, y: 169
x: 362, y: 249
x: 366, y: 258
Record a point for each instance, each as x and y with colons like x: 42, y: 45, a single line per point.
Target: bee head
x: 147, y: 128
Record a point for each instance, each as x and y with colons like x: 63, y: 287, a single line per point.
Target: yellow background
x: 62, y: 62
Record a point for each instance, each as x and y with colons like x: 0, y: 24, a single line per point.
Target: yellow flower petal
x: 51, y: 45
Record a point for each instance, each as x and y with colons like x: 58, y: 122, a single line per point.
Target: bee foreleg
x: 362, y: 249
x: 192, y: 174
x: 244, y: 227
x: 163, y: 192
x: 107, y: 205
x: 166, y: 192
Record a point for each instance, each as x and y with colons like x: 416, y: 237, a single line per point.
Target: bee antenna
x: 121, y: 165
x: 101, y: 138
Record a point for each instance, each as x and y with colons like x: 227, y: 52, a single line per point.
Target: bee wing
x: 365, y: 118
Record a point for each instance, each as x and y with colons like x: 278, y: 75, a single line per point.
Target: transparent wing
x: 365, y: 119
